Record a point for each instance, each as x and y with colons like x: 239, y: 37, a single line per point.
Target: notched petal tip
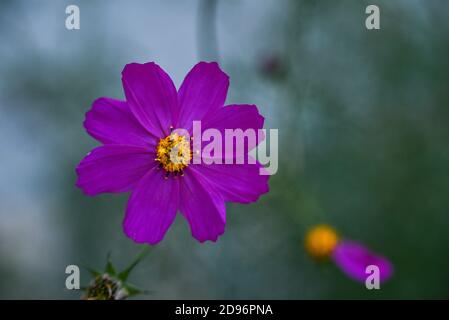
x: 213, y: 238
x: 82, y: 185
x: 209, y: 64
x: 132, y: 65
x: 132, y: 234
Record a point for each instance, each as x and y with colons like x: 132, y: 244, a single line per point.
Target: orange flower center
x: 173, y: 153
x: 320, y: 241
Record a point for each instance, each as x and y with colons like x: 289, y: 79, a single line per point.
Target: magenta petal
x: 151, y: 96
x: 203, y: 207
x: 110, y: 121
x: 113, y: 168
x: 243, y: 116
x: 235, y: 117
x: 236, y: 182
x: 353, y: 258
x: 203, y: 91
x: 151, y: 208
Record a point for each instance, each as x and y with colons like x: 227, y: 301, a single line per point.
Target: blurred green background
x: 363, y: 143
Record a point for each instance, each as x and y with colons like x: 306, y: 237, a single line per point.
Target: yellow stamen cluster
x: 320, y: 241
x: 173, y: 153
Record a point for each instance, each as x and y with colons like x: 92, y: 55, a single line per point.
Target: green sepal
x: 109, y: 267
x: 94, y: 273
x: 123, y: 276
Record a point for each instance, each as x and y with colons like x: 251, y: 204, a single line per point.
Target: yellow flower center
x: 173, y: 153
x: 320, y: 241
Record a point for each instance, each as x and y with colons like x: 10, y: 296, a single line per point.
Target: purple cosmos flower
x: 322, y: 242
x: 137, y: 139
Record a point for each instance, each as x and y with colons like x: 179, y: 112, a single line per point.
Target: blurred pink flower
x: 323, y: 242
